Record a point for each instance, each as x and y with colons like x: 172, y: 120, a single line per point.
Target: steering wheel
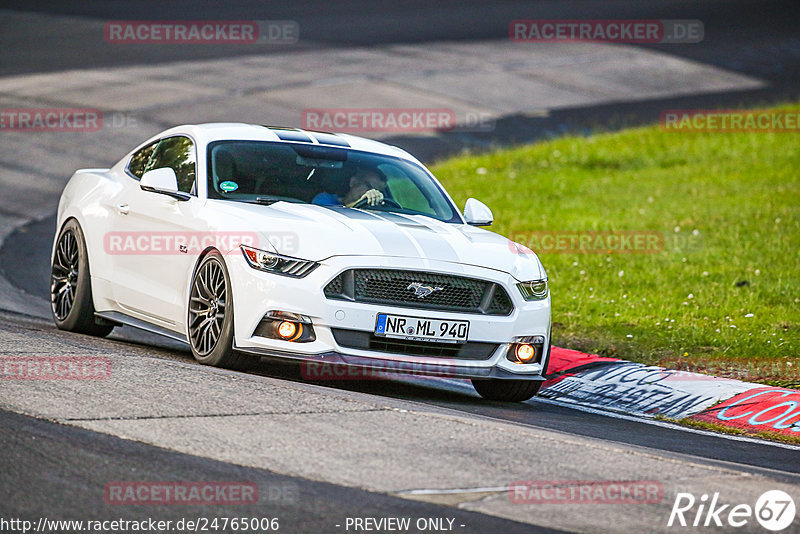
x: 363, y: 202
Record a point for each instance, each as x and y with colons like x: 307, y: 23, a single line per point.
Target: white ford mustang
x: 245, y: 240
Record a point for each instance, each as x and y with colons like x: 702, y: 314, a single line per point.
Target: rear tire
x: 71, y: 286
x: 506, y: 390
x: 210, y: 316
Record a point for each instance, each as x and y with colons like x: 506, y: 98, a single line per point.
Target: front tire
x: 506, y: 390
x: 210, y: 316
x: 71, y: 286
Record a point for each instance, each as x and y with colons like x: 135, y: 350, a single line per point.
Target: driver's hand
x: 373, y: 197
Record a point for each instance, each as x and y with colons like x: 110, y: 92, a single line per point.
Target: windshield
x: 266, y: 172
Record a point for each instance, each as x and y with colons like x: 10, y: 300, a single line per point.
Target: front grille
x: 357, y: 339
x: 398, y: 288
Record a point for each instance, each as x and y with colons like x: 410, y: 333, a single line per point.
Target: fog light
x: 525, y: 352
x: 287, y: 326
x: 287, y: 330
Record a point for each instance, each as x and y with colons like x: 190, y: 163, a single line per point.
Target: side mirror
x: 477, y: 213
x: 162, y: 181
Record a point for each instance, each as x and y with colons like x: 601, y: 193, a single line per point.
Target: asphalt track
x: 759, y: 39
x: 745, y: 35
x: 27, y: 251
x: 60, y: 470
x: 35, y: 458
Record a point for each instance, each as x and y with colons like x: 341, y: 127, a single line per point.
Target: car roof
x: 227, y: 131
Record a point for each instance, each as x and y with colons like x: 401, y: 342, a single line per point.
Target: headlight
x: 276, y: 263
x: 533, y: 290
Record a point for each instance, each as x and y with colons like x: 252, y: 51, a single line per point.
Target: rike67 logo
x: 774, y: 510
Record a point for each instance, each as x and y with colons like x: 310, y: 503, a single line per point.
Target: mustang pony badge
x: 421, y: 291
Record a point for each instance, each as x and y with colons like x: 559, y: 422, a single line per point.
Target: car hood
x: 320, y: 232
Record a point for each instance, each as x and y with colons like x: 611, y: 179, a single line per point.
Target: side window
x: 139, y: 159
x: 176, y: 153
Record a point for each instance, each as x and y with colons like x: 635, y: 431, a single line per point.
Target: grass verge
x: 718, y: 291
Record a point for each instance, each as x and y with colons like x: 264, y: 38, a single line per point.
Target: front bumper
x: 325, y: 365
x: 255, y: 293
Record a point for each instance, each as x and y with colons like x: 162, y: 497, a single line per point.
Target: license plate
x: 421, y: 329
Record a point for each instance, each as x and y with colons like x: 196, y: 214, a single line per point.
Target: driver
x: 366, y: 186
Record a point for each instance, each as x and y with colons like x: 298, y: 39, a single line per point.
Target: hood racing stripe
x: 392, y: 243
x: 431, y: 244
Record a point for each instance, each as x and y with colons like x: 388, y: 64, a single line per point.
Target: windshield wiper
x: 266, y: 201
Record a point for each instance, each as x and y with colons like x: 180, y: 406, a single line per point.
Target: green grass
x: 728, y: 205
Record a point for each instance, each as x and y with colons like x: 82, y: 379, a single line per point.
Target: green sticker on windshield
x: 229, y: 186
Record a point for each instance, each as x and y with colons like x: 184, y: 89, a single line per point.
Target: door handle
x: 124, y: 209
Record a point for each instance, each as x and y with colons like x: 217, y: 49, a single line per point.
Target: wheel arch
x: 187, y: 289
x: 200, y: 257
x: 89, y: 251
